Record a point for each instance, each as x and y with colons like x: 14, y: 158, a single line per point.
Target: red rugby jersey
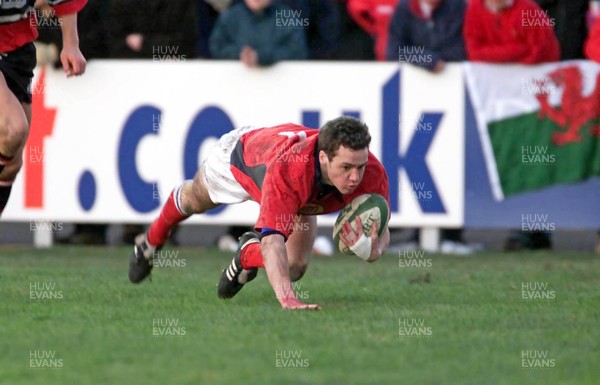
x: 18, y: 24
x: 279, y: 168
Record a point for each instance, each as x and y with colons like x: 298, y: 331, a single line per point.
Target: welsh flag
x: 539, y: 125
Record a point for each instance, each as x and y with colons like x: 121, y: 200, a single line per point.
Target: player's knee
x: 297, y: 271
x: 12, y: 168
x: 14, y: 132
x: 198, y: 201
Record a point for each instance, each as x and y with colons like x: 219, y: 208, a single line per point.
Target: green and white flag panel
x: 537, y: 124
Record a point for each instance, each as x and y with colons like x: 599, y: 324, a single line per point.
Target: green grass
x: 102, y: 328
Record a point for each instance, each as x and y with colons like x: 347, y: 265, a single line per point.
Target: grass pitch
x: 68, y: 315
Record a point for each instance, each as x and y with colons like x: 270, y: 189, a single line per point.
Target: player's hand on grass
x: 72, y: 60
x: 351, y: 236
x: 295, y: 304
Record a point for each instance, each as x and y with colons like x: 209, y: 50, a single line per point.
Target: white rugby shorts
x: 222, y: 187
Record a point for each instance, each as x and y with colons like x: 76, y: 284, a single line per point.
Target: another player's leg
x: 14, y: 128
x: 191, y: 197
x: 244, y: 266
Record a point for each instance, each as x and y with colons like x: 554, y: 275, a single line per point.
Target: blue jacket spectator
x: 427, y: 33
x: 323, y: 29
x: 260, y: 35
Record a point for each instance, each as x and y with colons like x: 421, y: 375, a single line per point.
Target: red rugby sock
x: 251, y: 256
x: 170, y: 215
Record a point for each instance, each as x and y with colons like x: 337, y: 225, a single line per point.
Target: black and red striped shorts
x: 17, y: 67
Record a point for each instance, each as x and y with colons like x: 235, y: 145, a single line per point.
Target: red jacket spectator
x: 520, y: 32
x: 374, y: 17
x: 592, y: 45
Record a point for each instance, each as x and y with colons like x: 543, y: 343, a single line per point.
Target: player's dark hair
x: 343, y: 131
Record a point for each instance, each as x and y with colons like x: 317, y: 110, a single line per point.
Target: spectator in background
x: 152, y: 29
x: 258, y: 33
x: 322, y: 33
x: 592, y: 44
x: 208, y: 13
x: 374, y: 17
x: 322, y: 25
x: 569, y: 22
x: 354, y: 43
x: 509, y: 31
x: 427, y: 33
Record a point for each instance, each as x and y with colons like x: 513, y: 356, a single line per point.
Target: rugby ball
x: 370, y: 207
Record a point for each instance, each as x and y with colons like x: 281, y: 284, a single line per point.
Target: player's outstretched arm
x: 276, y: 266
x: 71, y: 57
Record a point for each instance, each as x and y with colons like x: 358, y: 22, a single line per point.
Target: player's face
x: 345, y: 170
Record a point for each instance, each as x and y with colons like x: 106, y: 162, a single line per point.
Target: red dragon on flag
x: 575, y: 109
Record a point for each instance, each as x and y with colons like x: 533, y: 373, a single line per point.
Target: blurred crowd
x: 259, y: 33
x: 262, y: 32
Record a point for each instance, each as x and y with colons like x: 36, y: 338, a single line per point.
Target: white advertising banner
x: 109, y: 146
x: 432, y: 121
